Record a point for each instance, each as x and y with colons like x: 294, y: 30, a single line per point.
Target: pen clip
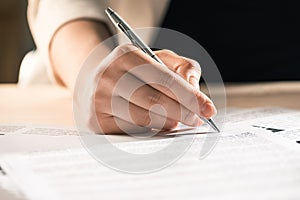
x: 122, y: 28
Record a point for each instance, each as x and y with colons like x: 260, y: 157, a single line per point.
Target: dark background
x: 257, y: 40
x: 15, y: 38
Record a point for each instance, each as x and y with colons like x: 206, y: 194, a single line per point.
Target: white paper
x: 247, y: 163
x: 243, y: 165
x: 27, y: 138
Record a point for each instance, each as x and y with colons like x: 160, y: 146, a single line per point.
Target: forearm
x: 71, y: 44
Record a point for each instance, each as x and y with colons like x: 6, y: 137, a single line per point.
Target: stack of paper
x: 256, y: 157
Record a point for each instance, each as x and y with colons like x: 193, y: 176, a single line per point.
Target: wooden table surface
x: 52, y: 105
x: 43, y: 104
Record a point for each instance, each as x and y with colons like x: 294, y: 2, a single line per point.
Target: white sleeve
x: 45, y: 17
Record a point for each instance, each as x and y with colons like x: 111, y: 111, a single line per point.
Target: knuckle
x: 155, y: 98
x: 186, y: 64
x: 191, y: 64
x: 145, y: 119
x: 194, y: 63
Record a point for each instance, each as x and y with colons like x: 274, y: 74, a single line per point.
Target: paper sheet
x: 27, y: 138
x: 247, y: 163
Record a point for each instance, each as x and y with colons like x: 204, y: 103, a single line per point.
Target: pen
x: 138, y: 42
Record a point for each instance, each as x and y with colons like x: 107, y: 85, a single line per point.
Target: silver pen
x: 138, y: 42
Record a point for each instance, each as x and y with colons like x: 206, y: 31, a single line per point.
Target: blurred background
x: 15, y: 38
x: 244, y: 38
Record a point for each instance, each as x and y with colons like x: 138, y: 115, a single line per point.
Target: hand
x: 144, y: 84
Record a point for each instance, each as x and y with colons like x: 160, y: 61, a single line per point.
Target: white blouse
x: 45, y: 17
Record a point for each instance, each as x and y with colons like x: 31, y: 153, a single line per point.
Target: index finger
x: 152, y: 73
x: 188, y: 68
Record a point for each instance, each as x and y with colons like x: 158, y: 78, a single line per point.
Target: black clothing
x: 257, y: 40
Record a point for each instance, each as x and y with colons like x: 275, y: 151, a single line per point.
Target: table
x: 41, y: 104
x: 52, y: 105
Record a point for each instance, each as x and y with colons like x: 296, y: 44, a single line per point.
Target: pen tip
x: 212, y: 123
x: 109, y: 10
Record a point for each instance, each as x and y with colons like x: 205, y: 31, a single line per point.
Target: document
x: 257, y: 156
x: 27, y: 138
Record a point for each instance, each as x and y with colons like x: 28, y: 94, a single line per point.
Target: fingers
x: 160, y: 78
x: 207, y: 107
x: 136, y: 120
x: 114, y: 125
x: 146, y: 97
x: 142, y: 117
x: 188, y: 68
x: 135, y: 92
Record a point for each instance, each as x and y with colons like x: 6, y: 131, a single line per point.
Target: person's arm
x: 46, y: 18
x: 70, y: 46
x: 67, y: 31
